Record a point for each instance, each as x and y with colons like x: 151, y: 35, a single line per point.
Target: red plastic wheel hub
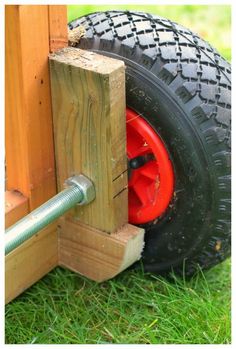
x: 151, y: 175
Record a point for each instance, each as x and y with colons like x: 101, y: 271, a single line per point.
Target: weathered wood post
x: 88, y: 95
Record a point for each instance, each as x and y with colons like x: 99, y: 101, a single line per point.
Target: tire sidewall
x: 186, y: 222
x: 195, y: 222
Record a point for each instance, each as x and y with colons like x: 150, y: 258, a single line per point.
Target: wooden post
x: 30, y: 33
x: 88, y: 95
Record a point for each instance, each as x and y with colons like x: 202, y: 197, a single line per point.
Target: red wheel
x: 151, y: 175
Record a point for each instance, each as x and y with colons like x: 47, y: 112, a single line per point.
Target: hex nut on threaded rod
x: 85, y: 185
x: 79, y: 190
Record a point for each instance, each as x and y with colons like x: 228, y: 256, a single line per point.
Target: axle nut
x: 85, y: 185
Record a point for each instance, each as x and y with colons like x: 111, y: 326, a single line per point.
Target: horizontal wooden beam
x: 30, y: 262
x: 96, y: 254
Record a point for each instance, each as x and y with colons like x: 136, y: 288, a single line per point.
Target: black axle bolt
x: 140, y: 161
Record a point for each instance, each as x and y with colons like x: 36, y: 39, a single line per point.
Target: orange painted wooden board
x: 30, y: 29
x: 29, y: 136
x: 16, y: 207
x: 57, y: 27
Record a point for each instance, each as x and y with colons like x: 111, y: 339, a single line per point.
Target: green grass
x: 132, y: 308
x: 211, y: 22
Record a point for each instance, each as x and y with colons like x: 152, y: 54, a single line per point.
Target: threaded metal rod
x: 41, y: 217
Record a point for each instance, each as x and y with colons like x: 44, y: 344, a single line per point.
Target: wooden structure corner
x: 61, y: 122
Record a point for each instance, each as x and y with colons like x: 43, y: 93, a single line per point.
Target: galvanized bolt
x: 79, y: 189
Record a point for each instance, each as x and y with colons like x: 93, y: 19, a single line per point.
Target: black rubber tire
x: 181, y: 86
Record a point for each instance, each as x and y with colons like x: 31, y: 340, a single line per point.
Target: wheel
x: 178, y: 136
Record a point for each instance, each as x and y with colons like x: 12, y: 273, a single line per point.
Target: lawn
x: 134, y: 307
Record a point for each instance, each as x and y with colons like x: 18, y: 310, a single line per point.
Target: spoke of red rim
x: 150, y: 170
x: 133, y: 198
x: 141, y: 183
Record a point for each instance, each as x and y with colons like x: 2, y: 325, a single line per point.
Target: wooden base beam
x: 96, y: 254
x: 30, y: 262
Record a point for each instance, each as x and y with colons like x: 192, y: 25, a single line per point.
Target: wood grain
x: 88, y: 95
x: 95, y: 254
x: 16, y: 207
